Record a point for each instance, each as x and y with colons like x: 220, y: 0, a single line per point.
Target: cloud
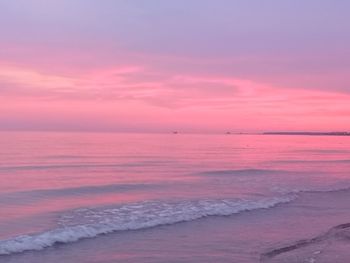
x: 215, y: 63
x: 163, y: 90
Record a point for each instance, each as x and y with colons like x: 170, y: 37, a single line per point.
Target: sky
x: 186, y: 65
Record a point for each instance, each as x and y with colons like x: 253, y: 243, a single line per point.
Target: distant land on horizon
x: 309, y: 133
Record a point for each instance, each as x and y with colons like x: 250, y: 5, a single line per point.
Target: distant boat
x: 175, y: 132
x: 228, y: 132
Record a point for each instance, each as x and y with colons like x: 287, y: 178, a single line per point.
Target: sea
x: 190, y: 198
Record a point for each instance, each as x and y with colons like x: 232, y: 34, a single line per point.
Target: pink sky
x: 150, y: 66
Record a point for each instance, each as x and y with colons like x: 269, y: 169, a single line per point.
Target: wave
x: 83, y: 165
x: 341, y: 186
x: 57, y: 166
x: 88, y: 223
x: 73, y: 191
x: 339, y: 232
x: 243, y: 172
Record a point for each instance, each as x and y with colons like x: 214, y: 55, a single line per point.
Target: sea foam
x: 88, y: 223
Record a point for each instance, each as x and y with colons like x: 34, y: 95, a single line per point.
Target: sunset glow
x: 123, y: 66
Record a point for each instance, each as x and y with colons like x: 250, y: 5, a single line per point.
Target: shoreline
x: 339, y: 233
x: 307, y: 219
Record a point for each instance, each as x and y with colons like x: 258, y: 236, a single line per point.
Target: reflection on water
x: 46, y: 176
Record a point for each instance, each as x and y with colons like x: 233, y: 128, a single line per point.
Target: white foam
x: 87, y: 223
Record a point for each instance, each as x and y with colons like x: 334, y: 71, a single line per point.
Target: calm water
x: 84, y: 197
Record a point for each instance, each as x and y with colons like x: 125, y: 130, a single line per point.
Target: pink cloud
x: 79, y: 89
x: 140, y: 97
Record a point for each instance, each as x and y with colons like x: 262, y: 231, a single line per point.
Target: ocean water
x: 108, y: 197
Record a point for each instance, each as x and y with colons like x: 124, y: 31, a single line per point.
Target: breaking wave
x: 88, y: 223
